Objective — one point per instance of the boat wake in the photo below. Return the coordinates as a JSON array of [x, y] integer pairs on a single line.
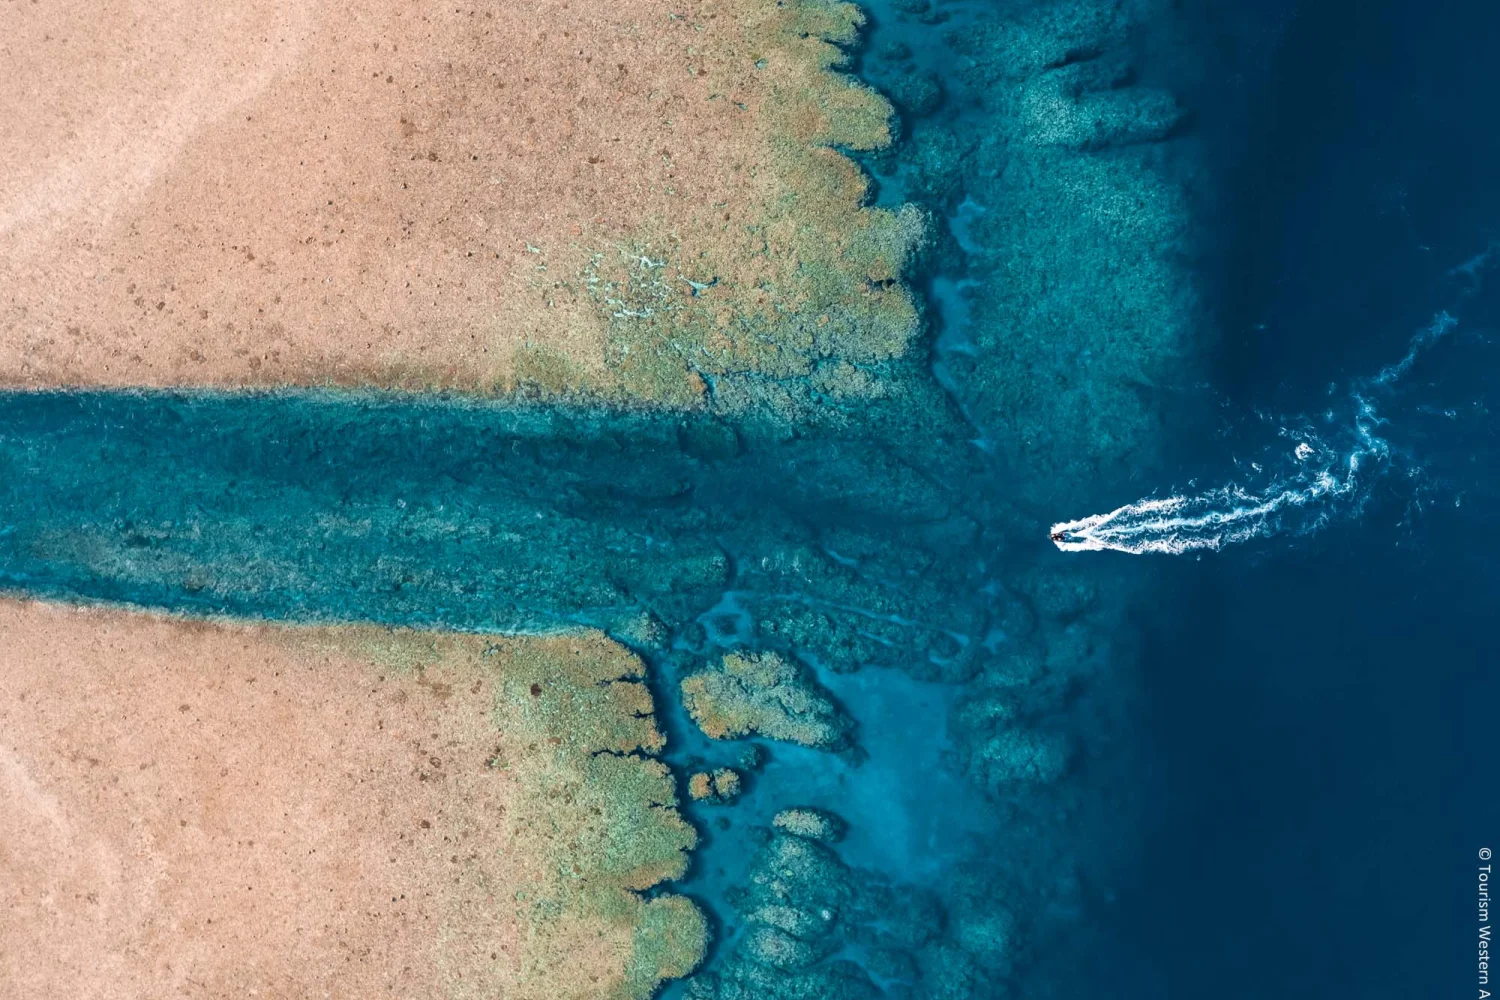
[[1310, 483], [1325, 482]]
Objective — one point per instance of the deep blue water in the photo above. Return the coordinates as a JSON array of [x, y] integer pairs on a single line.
[[1320, 711]]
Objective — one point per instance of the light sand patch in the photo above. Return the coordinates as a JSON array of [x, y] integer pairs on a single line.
[[213, 810], [100, 98], [622, 197]]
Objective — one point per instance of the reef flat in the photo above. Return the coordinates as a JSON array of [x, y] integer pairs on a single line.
[[229, 808], [640, 200]]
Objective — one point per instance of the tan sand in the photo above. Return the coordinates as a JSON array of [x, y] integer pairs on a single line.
[[206, 810], [422, 194]]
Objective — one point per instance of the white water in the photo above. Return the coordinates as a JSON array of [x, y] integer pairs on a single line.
[[1321, 482]]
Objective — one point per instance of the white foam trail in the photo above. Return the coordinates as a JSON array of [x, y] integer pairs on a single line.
[[1324, 481], [1178, 524], [1441, 324]]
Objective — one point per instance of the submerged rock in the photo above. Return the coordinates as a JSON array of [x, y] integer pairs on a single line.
[[818, 928], [1000, 744], [859, 601], [752, 757], [768, 695], [1060, 109], [720, 787], [917, 94], [810, 823]]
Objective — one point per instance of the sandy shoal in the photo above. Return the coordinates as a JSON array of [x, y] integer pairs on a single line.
[[385, 192], [214, 810]]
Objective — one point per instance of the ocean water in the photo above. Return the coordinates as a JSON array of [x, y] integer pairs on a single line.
[[1318, 707], [1273, 706]]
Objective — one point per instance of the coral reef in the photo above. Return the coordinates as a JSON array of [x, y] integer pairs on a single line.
[[764, 694], [999, 748], [752, 757], [814, 927], [1082, 311], [794, 898], [809, 823], [719, 787], [855, 601], [458, 816], [648, 201], [1064, 174], [578, 712]]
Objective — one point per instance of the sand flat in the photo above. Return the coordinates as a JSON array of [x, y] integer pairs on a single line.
[[390, 193], [204, 809], [198, 811], [293, 191]]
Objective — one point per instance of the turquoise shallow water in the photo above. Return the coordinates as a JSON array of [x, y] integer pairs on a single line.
[[1240, 772]]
